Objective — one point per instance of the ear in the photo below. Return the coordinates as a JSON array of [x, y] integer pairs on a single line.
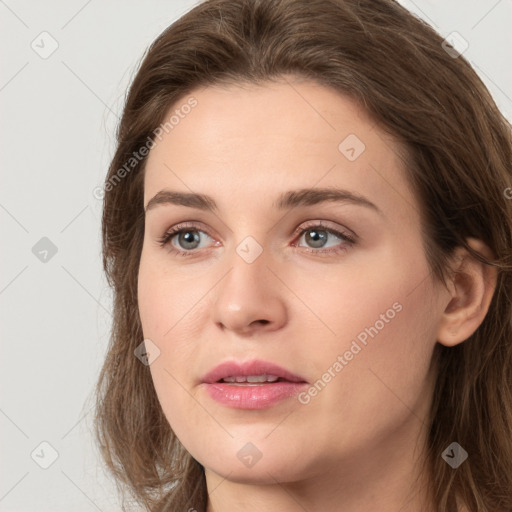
[[471, 287]]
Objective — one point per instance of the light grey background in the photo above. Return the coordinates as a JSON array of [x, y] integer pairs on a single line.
[[58, 117]]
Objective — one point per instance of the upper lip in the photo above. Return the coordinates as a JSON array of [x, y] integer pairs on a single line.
[[248, 368]]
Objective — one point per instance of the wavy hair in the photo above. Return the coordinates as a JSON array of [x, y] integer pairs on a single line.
[[458, 157]]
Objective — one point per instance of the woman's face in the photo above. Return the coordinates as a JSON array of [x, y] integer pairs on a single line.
[[334, 289]]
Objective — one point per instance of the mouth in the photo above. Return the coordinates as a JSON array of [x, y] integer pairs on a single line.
[[252, 385], [250, 372], [252, 380]]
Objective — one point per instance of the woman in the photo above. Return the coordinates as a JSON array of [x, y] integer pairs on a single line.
[[308, 230]]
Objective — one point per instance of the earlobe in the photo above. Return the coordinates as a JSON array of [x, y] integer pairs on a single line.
[[471, 288]]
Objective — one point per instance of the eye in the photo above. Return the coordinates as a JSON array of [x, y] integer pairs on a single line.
[[184, 239], [183, 236], [319, 236]]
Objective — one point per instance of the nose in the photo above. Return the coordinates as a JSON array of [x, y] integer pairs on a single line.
[[250, 298]]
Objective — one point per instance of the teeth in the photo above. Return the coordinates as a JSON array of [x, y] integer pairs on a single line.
[[257, 378], [251, 379]]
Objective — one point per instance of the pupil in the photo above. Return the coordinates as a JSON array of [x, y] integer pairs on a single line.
[[316, 238], [189, 237]]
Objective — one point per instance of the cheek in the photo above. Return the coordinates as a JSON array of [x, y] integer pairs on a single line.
[[382, 378], [170, 309], [166, 299], [381, 296], [375, 362]]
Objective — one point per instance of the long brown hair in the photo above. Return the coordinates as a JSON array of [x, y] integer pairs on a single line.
[[458, 158]]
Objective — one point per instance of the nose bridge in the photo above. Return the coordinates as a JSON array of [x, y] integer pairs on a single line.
[[249, 296]]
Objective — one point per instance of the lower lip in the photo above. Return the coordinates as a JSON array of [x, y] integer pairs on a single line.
[[259, 396]]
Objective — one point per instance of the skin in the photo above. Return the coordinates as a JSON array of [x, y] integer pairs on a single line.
[[358, 443]]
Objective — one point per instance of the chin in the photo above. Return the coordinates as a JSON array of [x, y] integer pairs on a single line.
[[263, 467], [260, 474]]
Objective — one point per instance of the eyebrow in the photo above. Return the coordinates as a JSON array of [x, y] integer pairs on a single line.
[[290, 199]]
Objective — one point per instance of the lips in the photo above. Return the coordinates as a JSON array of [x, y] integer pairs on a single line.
[[250, 372], [251, 385]]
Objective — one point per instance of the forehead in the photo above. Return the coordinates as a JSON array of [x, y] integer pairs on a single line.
[[273, 137]]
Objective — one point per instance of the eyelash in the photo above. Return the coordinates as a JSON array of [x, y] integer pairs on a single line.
[[184, 227]]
